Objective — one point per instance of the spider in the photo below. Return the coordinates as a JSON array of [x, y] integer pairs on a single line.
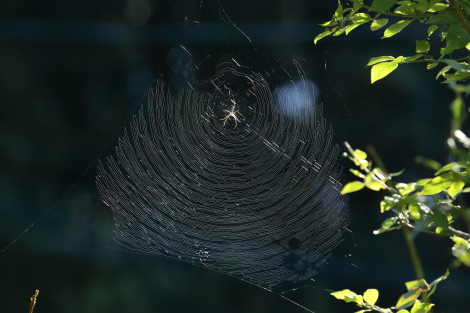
[[232, 113]]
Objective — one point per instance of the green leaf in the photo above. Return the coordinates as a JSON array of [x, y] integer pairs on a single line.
[[414, 57], [455, 188], [408, 8], [339, 12], [408, 299], [361, 155], [352, 187], [403, 311], [382, 5], [443, 70], [396, 28], [375, 185], [438, 184], [378, 24], [432, 29], [343, 293], [381, 70], [417, 284], [448, 17], [423, 181], [437, 7], [389, 222], [360, 18], [387, 204], [371, 295], [414, 211], [429, 163], [454, 166], [440, 219], [422, 46], [434, 283], [322, 35], [350, 27], [457, 37], [357, 173], [348, 296], [376, 60], [421, 307], [432, 65], [456, 65]]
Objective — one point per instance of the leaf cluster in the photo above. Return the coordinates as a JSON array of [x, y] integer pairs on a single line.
[[447, 19], [416, 297]]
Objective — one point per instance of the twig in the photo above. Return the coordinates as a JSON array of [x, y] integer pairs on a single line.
[[33, 301]]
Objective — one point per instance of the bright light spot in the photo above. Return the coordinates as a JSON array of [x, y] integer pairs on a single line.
[[297, 98]]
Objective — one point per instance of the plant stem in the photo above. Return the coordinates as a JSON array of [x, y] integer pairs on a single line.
[[454, 5], [33, 301], [415, 260]]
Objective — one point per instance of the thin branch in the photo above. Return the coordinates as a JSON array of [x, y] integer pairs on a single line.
[[458, 232], [454, 5], [33, 300]]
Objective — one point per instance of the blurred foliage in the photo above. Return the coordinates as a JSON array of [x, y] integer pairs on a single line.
[[434, 205]]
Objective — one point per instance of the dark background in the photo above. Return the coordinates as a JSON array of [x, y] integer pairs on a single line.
[[71, 75]]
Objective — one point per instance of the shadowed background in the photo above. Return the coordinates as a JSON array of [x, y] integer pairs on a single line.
[[71, 74]]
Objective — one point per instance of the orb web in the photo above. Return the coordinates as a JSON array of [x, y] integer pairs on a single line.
[[230, 173]]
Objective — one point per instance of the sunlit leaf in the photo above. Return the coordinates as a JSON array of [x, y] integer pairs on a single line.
[[381, 70], [455, 188], [322, 35], [432, 29], [396, 28], [378, 24], [443, 70], [352, 187], [350, 27], [376, 60], [451, 166], [423, 181], [382, 5], [389, 222], [374, 185], [414, 57], [387, 204], [438, 7], [339, 12], [361, 155], [438, 184], [348, 296], [417, 284], [360, 18], [421, 307], [357, 173], [408, 8], [422, 46], [371, 295], [408, 299]]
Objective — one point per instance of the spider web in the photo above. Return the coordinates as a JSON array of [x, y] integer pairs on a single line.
[[231, 164], [229, 167]]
